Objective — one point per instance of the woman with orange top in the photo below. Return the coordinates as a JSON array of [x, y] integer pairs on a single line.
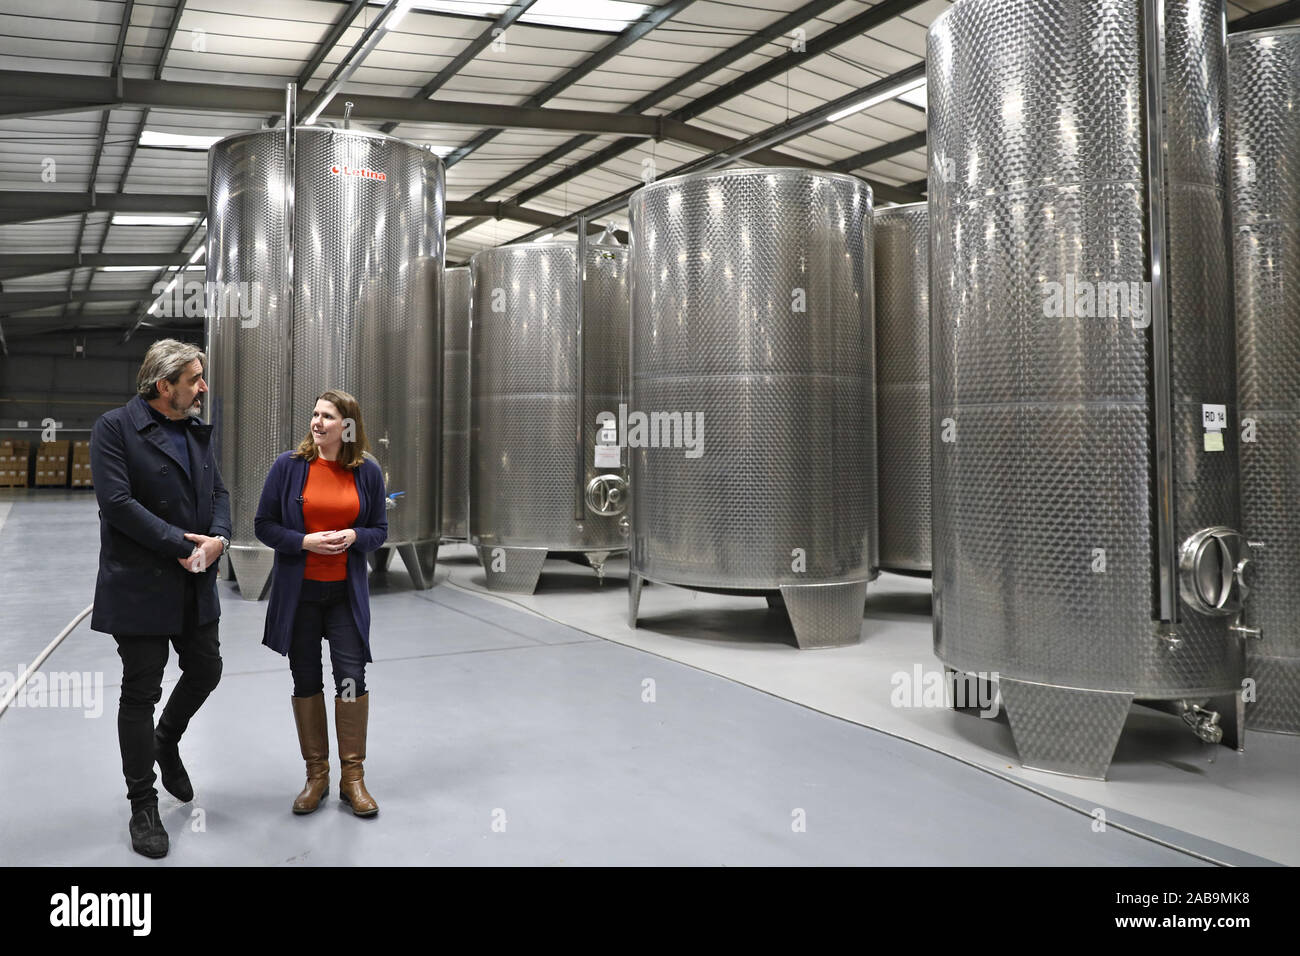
[[322, 510]]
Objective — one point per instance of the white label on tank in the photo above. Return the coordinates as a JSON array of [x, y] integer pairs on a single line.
[[1214, 417], [608, 456]]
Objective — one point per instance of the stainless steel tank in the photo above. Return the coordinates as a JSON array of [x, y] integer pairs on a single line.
[[1264, 122], [548, 352], [1086, 545], [455, 405], [752, 326], [902, 248], [342, 268]]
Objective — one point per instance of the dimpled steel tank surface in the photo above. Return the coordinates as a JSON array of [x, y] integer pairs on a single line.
[[531, 316], [1086, 525], [455, 408], [1264, 72], [344, 262], [752, 319], [902, 243]]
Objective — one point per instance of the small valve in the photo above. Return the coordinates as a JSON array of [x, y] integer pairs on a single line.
[[1204, 723]]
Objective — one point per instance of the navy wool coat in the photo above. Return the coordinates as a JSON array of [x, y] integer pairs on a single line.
[[147, 504], [279, 525]]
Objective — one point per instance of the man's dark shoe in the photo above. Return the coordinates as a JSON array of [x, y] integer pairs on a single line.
[[148, 836], [174, 777]]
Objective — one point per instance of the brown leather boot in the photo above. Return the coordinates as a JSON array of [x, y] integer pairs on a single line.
[[313, 738], [350, 719]]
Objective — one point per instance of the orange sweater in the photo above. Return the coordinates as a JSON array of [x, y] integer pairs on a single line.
[[330, 503]]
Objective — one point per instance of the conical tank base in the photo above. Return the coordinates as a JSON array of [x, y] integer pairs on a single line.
[[1066, 730], [825, 615], [252, 570], [421, 560], [516, 570]]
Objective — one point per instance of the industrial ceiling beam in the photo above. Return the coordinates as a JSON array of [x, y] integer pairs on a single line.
[[177, 12], [630, 35], [63, 203], [370, 38], [323, 48], [822, 43], [147, 299], [756, 148], [752, 145], [115, 71], [217, 97], [1268, 17], [18, 206], [721, 61], [767, 157], [471, 50], [28, 328], [15, 265], [16, 107], [885, 151], [496, 210], [1260, 19], [23, 301]]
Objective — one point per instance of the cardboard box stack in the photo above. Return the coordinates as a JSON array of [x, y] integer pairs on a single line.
[[14, 456], [52, 464], [81, 464]]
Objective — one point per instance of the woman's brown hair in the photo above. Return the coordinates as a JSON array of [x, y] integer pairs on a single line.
[[352, 453]]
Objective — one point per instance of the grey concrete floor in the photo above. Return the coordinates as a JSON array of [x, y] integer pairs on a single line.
[[497, 737]]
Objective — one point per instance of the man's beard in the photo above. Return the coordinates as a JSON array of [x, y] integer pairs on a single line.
[[191, 410]]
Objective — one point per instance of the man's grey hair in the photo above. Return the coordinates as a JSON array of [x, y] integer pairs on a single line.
[[166, 359]]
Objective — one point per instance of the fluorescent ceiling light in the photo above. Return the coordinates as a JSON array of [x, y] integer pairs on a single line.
[[128, 219], [611, 16], [608, 16], [154, 138], [876, 99], [141, 268], [396, 18], [916, 97]]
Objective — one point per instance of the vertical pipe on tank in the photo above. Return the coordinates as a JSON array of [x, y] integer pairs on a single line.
[[286, 289], [580, 451], [1153, 16]]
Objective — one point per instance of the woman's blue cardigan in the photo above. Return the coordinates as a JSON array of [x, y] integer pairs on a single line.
[[279, 525]]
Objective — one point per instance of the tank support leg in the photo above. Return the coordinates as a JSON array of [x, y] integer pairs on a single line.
[[252, 570], [512, 569], [775, 601], [1064, 729], [421, 560], [1277, 693], [825, 615], [379, 560], [634, 581], [964, 691]]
